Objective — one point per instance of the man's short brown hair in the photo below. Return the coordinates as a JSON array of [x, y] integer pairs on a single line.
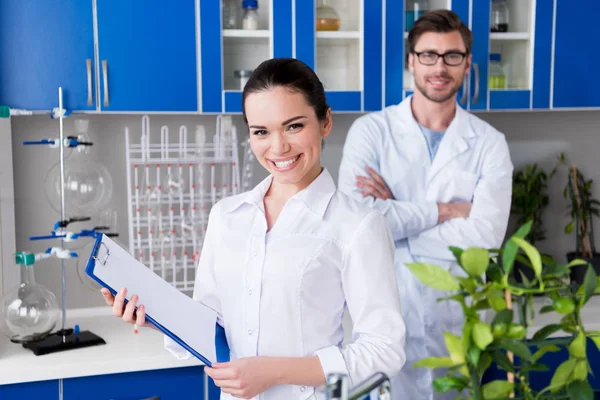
[[440, 21]]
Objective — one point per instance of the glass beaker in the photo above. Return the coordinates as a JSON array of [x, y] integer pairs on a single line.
[[497, 78], [500, 16], [327, 18], [231, 11], [30, 311]]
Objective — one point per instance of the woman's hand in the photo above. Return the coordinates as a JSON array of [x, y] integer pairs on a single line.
[[245, 378], [128, 313]]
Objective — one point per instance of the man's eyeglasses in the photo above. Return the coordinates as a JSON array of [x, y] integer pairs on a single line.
[[452, 58]]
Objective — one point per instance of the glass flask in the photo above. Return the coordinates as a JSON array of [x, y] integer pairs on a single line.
[[88, 184], [500, 16], [327, 18], [497, 78], [231, 10], [250, 19], [30, 311]]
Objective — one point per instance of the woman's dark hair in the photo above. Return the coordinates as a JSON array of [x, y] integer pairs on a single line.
[[291, 74]]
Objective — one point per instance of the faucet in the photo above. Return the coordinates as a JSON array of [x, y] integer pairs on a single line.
[[337, 387]]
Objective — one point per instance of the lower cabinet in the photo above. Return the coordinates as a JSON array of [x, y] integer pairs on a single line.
[[160, 384], [30, 390]]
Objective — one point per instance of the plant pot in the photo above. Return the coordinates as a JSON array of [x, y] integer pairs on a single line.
[[578, 271]]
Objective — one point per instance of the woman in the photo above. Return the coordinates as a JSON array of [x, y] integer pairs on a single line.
[[280, 263]]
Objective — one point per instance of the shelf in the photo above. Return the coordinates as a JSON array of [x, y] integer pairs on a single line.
[[244, 33], [338, 35], [509, 36]]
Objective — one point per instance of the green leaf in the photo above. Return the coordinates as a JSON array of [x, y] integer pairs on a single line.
[[577, 346], [457, 251], [563, 375], [545, 349], [503, 317], [502, 361], [569, 228], [546, 331], [455, 347], [537, 367], [590, 282], [533, 254], [444, 384], [434, 276], [482, 335], [434, 362], [484, 363], [496, 300], [518, 348], [497, 389], [580, 390], [596, 340], [494, 273], [580, 372], [577, 261], [508, 255], [546, 309], [473, 354], [468, 283], [475, 261], [523, 230]]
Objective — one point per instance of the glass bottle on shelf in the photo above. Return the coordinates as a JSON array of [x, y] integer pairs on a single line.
[[30, 311], [250, 19], [497, 78], [414, 10], [231, 10], [327, 18], [500, 16]]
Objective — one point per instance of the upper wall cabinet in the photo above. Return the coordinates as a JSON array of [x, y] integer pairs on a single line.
[[342, 41], [236, 37], [576, 54], [147, 55], [44, 45], [511, 54]]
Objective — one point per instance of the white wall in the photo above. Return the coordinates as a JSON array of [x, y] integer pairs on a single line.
[[533, 137]]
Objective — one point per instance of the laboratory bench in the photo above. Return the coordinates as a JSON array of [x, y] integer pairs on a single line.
[[129, 366]]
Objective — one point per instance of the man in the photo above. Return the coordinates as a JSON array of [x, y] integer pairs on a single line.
[[441, 176]]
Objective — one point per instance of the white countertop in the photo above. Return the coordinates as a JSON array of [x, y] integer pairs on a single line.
[[124, 351]]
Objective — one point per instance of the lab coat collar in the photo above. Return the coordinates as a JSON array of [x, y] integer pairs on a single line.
[[315, 197], [455, 141]]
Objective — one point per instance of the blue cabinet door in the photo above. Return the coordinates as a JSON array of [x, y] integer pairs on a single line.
[[575, 54], [45, 44], [166, 384], [31, 390], [147, 55], [480, 26]]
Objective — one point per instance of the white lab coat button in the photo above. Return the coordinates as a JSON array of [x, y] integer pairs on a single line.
[[303, 388], [249, 331], [249, 292], [255, 253]]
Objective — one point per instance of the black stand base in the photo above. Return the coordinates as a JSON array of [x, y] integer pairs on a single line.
[[63, 340]]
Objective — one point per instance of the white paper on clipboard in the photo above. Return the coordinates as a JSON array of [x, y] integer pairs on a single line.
[[190, 321]]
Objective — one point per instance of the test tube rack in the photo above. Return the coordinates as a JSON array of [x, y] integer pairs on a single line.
[[172, 186]]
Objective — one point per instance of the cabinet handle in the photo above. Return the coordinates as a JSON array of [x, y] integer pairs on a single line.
[[105, 75], [88, 66], [463, 99], [476, 95]]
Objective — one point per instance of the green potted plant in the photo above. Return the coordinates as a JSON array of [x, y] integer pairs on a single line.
[[529, 201], [503, 343], [582, 208]]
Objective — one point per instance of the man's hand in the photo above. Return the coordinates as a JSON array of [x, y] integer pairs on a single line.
[[447, 211], [244, 378], [374, 185]]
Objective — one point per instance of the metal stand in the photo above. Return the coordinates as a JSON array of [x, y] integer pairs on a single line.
[[64, 339]]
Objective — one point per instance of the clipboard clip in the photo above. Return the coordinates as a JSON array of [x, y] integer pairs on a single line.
[[97, 259]]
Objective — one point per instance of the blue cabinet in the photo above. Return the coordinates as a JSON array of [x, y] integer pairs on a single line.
[[575, 54], [44, 45], [166, 384], [147, 55], [47, 390]]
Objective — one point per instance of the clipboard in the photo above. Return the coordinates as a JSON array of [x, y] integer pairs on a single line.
[[113, 267]]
